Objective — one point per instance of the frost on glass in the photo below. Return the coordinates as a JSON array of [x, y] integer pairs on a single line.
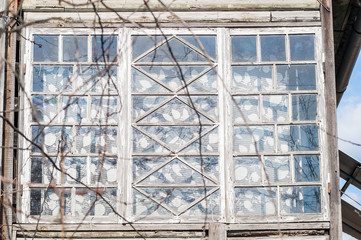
[[208, 144], [245, 109], [46, 109], [75, 48], [275, 108], [277, 168], [142, 104], [103, 170], [46, 202], [175, 111], [74, 109], [43, 170], [176, 172], [52, 78], [207, 164], [145, 144], [202, 43], [142, 83], [247, 170], [273, 48], [304, 107], [302, 47], [252, 78], [175, 137], [97, 78], [98, 202], [176, 199], [75, 170], [145, 206], [244, 48], [54, 139], [261, 136], [307, 168], [104, 109], [298, 138], [45, 48], [205, 83], [255, 201], [207, 104], [142, 165], [209, 206], [173, 51], [104, 48], [300, 199], [96, 140], [296, 77]]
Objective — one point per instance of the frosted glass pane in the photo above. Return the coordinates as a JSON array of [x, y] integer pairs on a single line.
[[46, 202], [252, 78], [74, 109], [45, 48], [96, 140], [273, 48], [298, 138], [247, 170], [75, 48], [243, 141], [302, 47], [52, 78], [304, 107], [296, 77], [75, 169], [98, 79], [104, 110], [245, 109], [144, 144], [244, 48], [103, 170], [307, 168], [53, 139], [45, 108], [303, 199], [43, 170], [275, 108], [255, 201], [277, 168], [209, 144]]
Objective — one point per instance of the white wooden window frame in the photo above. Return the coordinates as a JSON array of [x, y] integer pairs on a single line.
[[226, 176]]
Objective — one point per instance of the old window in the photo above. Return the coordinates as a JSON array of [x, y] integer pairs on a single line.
[[173, 126]]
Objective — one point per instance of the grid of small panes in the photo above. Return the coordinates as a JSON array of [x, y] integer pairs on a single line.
[[175, 126], [276, 137], [74, 126]]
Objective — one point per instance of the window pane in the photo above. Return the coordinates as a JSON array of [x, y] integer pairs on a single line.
[[298, 138], [46, 109], [104, 110], [45, 48], [252, 78], [103, 170], [142, 44], [303, 199], [52, 139], [307, 168], [302, 47], [244, 48], [74, 109], [75, 48], [244, 140], [75, 169], [52, 78], [277, 168], [255, 201], [104, 48], [208, 43], [273, 48], [275, 108], [296, 77], [97, 79], [43, 170], [247, 170], [96, 140], [245, 109], [304, 107], [46, 202]]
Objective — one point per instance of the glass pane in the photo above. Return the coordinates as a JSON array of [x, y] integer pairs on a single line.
[[144, 84], [304, 107], [144, 144], [307, 168], [255, 201], [142, 165], [76, 170], [46, 202], [247, 170], [104, 110], [303, 199], [141, 44], [206, 164], [298, 138], [174, 51], [209, 144], [96, 140], [207, 104], [244, 141], [273, 48], [208, 44], [43, 170], [244, 48], [275, 108], [45, 108], [277, 168], [74, 109], [52, 78], [209, 206], [245, 109], [75, 48], [302, 47], [52, 139], [252, 78], [104, 48], [296, 77], [103, 170], [145, 206], [97, 79], [45, 48], [142, 104]]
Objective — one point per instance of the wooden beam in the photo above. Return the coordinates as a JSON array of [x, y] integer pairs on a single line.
[[217, 231], [351, 219], [347, 167]]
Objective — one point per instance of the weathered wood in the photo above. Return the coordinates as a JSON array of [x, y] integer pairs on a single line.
[[331, 123], [351, 219], [217, 231], [174, 5], [347, 167]]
